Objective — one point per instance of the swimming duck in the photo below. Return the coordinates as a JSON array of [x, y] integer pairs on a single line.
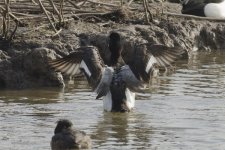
[[66, 137], [117, 81], [205, 8]]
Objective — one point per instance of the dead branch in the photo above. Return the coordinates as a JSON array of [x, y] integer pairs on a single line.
[[72, 3], [55, 9], [14, 32], [12, 16], [193, 17], [61, 10], [49, 19], [100, 3]]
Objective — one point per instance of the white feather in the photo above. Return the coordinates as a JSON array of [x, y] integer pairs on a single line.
[[215, 10], [107, 102], [130, 99], [151, 61], [84, 66]]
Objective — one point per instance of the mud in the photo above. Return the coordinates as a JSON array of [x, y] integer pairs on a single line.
[[23, 61]]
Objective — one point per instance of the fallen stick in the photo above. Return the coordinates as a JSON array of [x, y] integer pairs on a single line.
[[57, 33], [12, 16], [72, 3], [194, 17], [100, 3], [55, 9], [43, 8]]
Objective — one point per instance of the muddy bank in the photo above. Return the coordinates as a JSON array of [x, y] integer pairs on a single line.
[[23, 62]]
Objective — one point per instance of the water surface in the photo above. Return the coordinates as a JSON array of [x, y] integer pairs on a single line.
[[181, 111]]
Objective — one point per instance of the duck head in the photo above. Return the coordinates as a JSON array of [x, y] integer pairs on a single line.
[[115, 47], [62, 124]]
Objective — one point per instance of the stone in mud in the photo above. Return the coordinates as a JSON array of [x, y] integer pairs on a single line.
[[29, 70]]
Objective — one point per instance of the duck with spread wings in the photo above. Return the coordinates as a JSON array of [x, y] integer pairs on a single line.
[[117, 81]]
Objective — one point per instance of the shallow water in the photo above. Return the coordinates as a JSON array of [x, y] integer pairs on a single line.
[[181, 111]]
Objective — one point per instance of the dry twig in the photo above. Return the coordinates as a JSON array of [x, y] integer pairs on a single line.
[[49, 19], [147, 12], [194, 17]]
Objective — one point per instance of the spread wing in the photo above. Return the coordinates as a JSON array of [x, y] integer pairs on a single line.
[[145, 58], [165, 55], [69, 64], [86, 59]]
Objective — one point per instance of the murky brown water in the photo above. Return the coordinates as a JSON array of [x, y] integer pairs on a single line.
[[182, 111]]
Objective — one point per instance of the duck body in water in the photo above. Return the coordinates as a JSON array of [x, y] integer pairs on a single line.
[[67, 138], [116, 81], [204, 8]]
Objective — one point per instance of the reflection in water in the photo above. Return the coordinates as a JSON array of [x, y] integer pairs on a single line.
[[122, 129], [204, 76], [32, 96], [184, 110]]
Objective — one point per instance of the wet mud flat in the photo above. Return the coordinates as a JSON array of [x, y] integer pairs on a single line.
[[23, 61]]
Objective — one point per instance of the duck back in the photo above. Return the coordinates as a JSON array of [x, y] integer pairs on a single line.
[[117, 89]]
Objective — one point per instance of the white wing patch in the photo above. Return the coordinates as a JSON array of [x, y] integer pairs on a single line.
[[151, 61], [130, 98], [85, 67], [107, 102]]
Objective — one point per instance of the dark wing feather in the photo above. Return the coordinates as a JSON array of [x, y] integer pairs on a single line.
[[130, 79], [146, 57], [165, 55], [142, 62], [68, 64], [86, 59]]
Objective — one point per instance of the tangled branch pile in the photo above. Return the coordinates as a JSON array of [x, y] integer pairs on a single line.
[[42, 12]]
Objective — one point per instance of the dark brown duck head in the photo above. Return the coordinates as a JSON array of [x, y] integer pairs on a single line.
[[63, 124], [115, 47]]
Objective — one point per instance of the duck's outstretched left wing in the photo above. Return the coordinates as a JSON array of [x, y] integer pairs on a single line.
[[165, 55], [146, 58], [86, 59]]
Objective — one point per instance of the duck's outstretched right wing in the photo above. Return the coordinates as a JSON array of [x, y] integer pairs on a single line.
[[85, 59], [69, 64]]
